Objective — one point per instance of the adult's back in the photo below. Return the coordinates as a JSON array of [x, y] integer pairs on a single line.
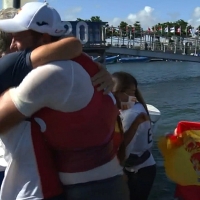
[[85, 123], [75, 123]]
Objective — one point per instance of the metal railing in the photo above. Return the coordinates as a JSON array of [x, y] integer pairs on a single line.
[[190, 46]]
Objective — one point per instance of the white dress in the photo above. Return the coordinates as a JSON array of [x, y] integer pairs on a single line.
[[142, 140]]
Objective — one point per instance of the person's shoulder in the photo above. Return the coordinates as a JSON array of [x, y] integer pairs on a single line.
[[10, 74], [58, 70], [63, 62], [138, 107], [21, 59], [14, 57], [129, 114], [9, 61], [64, 65], [11, 57], [16, 54], [133, 112]]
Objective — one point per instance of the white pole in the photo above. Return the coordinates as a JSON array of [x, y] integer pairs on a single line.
[[195, 50], [9, 3]]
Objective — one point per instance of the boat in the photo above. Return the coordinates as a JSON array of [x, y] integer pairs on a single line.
[[115, 59], [133, 59], [108, 59], [112, 59], [154, 113], [156, 60]]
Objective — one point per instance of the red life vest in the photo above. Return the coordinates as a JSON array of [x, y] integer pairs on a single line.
[[189, 192], [77, 141]]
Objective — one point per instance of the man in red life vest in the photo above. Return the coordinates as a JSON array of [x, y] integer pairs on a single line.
[[68, 120]]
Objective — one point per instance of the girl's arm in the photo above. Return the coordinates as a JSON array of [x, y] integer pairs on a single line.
[[63, 49], [130, 133], [128, 136]]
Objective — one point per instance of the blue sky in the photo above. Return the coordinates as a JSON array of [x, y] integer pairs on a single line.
[[113, 11]]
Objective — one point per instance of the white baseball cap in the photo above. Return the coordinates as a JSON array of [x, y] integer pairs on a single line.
[[36, 16]]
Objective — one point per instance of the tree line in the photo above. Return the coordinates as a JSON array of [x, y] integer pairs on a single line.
[[178, 28]]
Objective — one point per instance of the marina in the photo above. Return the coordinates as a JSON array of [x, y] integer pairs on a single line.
[[169, 88]]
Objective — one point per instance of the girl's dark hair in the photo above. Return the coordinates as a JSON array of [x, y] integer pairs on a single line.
[[123, 81]]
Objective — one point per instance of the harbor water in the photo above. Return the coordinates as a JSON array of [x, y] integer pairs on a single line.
[[174, 88]]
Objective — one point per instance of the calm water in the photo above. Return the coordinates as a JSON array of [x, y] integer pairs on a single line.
[[172, 87]]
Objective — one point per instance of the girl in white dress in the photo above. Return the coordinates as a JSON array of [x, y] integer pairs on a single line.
[[139, 164]]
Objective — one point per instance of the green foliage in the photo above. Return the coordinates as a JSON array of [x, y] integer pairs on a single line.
[[137, 26], [180, 24], [92, 19], [123, 25], [95, 19], [125, 29]]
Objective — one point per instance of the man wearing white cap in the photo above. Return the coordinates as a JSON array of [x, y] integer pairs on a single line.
[[58, 94], [14, 68]]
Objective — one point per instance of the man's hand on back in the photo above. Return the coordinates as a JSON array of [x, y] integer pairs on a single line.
[[104, 79]]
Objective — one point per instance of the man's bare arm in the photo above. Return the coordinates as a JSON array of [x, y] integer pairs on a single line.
[[104, 79], [63, 49], [9, 114]]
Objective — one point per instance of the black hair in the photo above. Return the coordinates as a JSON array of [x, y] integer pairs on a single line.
[[123, 81]]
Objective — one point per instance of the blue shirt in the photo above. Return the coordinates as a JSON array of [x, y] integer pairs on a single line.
[[13, 68]]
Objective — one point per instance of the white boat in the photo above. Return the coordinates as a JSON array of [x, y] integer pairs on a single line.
[[154, 113]]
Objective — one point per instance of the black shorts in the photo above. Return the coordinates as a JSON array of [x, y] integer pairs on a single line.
[[140, 183]]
